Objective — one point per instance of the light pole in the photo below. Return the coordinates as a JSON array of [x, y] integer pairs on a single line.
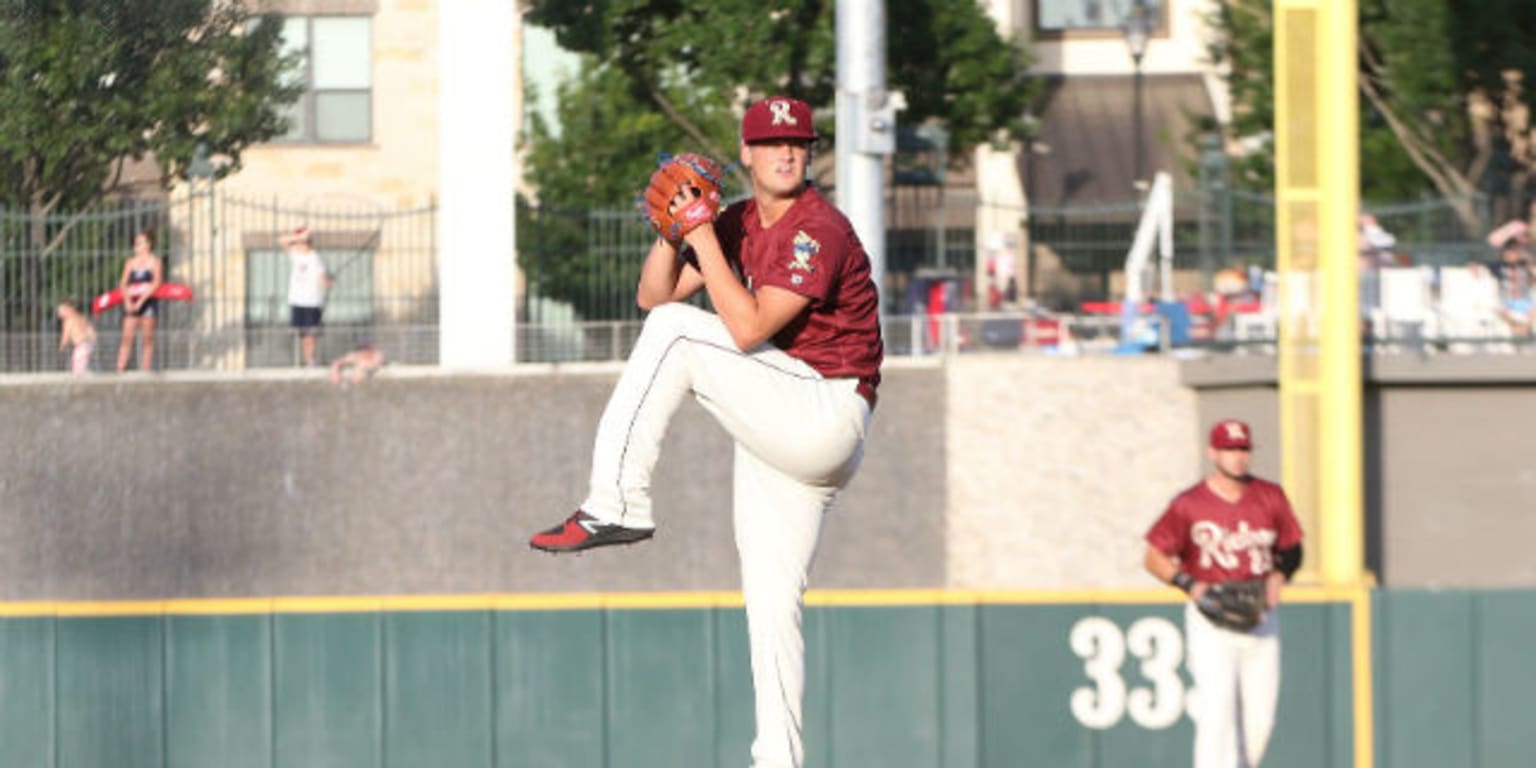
[[1138, 30], [200, 170]]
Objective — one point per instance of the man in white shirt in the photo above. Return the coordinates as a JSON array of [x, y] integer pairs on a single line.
[[307, 283]]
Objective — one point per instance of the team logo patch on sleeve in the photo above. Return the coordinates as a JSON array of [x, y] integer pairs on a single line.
[[806, 249]]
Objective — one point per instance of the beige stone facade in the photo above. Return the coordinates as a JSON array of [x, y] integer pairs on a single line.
[[379, 195], [397, 169]]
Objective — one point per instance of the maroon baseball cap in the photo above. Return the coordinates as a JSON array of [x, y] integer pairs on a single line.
[[1230, 434], [778, 117]]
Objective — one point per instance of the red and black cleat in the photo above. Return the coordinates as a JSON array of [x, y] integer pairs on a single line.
[[583, 531]]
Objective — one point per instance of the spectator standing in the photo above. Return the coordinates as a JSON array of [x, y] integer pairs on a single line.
[[76, 329], [143, 273], [1375, 246], [1003, 286], [307, 284]]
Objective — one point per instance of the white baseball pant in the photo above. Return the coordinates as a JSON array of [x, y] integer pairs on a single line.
[[1237, 680], [799, 439]]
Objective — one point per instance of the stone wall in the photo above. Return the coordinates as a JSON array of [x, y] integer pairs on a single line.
[[985, 472], [1057, 466]]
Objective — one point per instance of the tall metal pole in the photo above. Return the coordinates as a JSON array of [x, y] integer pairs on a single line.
[[866, 126], [1138, 33], [1136, 128]]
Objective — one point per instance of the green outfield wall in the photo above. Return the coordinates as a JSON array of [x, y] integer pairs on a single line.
[[896, 679]]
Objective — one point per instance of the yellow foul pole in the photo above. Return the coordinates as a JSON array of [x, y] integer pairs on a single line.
[[1317, 172], [1343, 541], [1318, 182]]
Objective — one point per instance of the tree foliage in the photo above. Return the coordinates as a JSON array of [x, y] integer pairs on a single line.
[[1242, 44], [672, 74], [87, 84], [1443, 102]]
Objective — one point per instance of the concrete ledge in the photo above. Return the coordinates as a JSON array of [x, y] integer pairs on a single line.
[[1217, 371], [1222, 371], [1450, 369]]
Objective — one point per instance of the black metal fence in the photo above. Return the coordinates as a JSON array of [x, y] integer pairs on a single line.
[[225, 248], [578, 268]]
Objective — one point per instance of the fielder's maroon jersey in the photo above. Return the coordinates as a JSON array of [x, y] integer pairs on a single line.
[[1216, 540], [813, 251]]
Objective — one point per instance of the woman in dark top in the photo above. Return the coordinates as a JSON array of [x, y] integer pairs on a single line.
[[142, 274]]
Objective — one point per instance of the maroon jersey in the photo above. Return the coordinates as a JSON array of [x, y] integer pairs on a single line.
[[1216, 540], [813, 251]]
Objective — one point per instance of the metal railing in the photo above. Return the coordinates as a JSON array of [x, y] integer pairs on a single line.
[[383, 263], [601, 341], [579, 270]]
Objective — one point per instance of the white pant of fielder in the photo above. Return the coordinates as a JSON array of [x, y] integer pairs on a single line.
[[1237, 679], [799, 438]]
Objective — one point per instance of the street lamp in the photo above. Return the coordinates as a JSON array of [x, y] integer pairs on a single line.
[[200, 170], [1138, 30]]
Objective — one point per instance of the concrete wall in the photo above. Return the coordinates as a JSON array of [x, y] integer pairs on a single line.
[[980, 473], [1449, 477], [188, 485], [1057, 467]]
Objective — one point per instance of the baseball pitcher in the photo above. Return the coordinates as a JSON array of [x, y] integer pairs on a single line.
[[789, 367], [1230, 541]]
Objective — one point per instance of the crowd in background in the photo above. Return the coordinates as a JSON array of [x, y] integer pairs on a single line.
[[1507, 275], [141, 288]]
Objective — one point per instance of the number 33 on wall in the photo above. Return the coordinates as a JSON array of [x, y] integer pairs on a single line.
[[1158, 643]]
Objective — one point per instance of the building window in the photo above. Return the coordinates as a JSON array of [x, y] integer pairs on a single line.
[[1058, 16], [336, 69]]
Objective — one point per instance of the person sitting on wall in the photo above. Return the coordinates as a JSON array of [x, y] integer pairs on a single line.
[[362, 362]]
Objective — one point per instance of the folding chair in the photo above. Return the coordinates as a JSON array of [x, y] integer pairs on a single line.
[[1469, 311], [1404, 309]]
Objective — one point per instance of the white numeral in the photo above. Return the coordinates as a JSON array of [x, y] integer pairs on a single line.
[[1160, 647], [1099, 643]]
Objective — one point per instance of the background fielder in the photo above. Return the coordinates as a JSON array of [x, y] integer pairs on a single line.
[[1229, 528], [788, 367]]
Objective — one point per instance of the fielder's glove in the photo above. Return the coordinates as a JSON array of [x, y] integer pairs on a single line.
[[1235, 605], [672, 218]]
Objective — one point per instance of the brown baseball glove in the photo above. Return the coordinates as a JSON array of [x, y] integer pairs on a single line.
[[673, 217], [1235, 605]]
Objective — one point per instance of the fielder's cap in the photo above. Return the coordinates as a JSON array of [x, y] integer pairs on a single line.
[[778, 117], [1230, 434]]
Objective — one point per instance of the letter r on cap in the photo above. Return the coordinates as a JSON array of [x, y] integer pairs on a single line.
[[780, 110]]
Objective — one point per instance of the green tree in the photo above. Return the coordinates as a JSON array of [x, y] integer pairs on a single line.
[[1442, 105], [1242, 45], [86, 85], [687, 66], [673, 75]]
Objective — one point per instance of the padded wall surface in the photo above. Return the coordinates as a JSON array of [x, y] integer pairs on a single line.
[[904, 686]]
